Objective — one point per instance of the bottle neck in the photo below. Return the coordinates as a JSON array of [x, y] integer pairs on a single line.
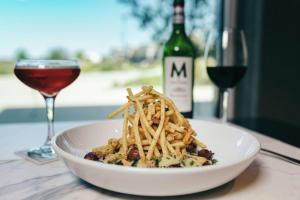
[[178, 19], [178, 29]]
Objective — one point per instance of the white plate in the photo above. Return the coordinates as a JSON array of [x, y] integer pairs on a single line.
[[234, 149]]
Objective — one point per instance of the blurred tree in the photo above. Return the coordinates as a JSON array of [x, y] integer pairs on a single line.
[[80, 55], [21, 54], [156, 16], [198, 44], [58, 54]]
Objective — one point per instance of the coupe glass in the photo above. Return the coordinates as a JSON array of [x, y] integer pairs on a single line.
[[226, 58], [48, 77]]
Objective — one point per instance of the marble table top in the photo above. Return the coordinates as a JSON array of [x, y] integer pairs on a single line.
[[266, 178]]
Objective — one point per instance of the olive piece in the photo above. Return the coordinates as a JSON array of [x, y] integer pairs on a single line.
[[91, 156], [133, 153], [175, 165], [191, 148], [205, 153]]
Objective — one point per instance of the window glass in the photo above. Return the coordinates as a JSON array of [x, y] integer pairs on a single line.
[[117, 42]]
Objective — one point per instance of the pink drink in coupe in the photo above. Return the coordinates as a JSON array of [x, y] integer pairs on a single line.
[[47, 81], [48, 77]]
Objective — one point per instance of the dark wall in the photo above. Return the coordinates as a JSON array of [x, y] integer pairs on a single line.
[[280, 67], [246, 94], [271, 89]]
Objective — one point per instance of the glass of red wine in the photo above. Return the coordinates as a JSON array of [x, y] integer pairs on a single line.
[[48, 77], [226, 58]]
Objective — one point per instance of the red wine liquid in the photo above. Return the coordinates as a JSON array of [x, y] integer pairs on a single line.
[[227, 76], [48, 81]]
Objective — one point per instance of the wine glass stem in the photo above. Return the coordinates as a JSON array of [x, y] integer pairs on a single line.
[[50, 118], [224, 104]]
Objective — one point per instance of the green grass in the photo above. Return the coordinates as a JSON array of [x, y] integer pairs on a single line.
[[114, 65], [6, 66], [105, 65], [201, 77], [147, 80]]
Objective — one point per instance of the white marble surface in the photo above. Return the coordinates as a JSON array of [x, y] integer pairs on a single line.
[[266, 178], [20, 136]]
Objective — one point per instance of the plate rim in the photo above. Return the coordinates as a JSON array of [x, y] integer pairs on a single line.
[[129, 169]]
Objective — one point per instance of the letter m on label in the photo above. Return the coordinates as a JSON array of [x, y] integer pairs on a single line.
[[182, 70]]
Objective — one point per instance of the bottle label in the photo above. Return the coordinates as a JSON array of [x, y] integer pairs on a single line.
[[178, 81], [178, 16]]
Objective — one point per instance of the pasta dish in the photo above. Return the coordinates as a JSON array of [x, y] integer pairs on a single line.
[[154, 134]]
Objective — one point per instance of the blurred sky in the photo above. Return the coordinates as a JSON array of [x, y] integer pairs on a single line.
[[94, 26]]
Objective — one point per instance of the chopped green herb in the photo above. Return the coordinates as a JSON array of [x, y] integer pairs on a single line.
[[191, 162], [118, 162], [134, 164], [214, 161], [157, 160]]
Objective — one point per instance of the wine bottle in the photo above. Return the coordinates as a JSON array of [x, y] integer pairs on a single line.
[[178, 64]]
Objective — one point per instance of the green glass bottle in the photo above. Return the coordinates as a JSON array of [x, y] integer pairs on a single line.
[[178, 64]]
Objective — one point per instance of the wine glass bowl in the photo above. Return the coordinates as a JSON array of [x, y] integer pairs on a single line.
[[226, 58], [48, 77]]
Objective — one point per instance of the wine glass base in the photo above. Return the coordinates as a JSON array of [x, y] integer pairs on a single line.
[[44, 151]]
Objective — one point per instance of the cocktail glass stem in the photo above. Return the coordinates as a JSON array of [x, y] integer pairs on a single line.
[[50, 119], [46, 151], [48, 77], [224, 94]]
